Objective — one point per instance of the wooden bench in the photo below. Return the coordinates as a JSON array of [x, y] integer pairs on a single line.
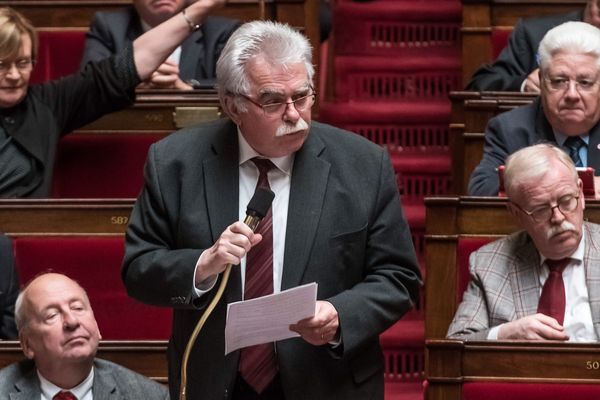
[[515, 370], [470, 114]]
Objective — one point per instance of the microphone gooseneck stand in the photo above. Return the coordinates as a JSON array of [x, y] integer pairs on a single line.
[[257, 208]]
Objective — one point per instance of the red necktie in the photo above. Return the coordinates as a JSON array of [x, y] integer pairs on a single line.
[[552, 301], [258, 364], [65, 395]]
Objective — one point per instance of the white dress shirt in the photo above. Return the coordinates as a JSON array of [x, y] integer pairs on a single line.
[[578, 321], [83, 391], [279, 180]]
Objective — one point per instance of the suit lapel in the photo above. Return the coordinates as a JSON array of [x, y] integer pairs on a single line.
[[542, 126], [28, 387], [105, 386], [593, 158], [592, 273], [221, 185], [524, 280], [307, 192]]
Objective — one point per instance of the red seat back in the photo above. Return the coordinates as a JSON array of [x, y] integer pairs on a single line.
[[528, 391], [499, 40], [465, 247], [94, 262], [59, 53], [101, 166]]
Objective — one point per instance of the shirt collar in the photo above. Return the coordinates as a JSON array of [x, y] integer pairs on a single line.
[[284, 164], [577, 254], [562, 138], [49, 390]]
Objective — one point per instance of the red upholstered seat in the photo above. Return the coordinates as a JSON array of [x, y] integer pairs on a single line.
[[499, 37], [59, 53], [94, 262], [399, 27], [528, 391], [381, 79], [465, 247], [101, 166]]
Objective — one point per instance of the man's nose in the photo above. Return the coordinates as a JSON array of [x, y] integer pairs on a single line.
[[291, 114], [70, 320]]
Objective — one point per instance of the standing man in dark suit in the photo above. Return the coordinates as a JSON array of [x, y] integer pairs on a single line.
[[59, 335], [542, 283], [336, 220], [516, 68], [567, 112], [192, 65]]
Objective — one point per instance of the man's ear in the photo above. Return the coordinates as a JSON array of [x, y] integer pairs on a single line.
[[27, 350], [512, 209], [232, 109]]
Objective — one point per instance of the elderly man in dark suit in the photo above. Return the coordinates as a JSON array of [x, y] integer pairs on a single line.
[[336, 220], [192, 65], [567, 112], [59, 335], [542, 283], [516, 68]]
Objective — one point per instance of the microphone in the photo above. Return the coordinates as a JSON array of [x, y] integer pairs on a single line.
[[257, 208]]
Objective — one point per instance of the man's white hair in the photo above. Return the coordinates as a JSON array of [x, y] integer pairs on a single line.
[[276, 43], [573, 37]]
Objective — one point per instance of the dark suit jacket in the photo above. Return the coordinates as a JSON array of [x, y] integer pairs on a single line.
[[518, 59], [9, 289], [345, 231], [511, 131], [111, 31], [20, 381], [505, 284]]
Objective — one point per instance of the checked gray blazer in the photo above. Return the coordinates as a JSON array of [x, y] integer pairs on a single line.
[[505, 284]]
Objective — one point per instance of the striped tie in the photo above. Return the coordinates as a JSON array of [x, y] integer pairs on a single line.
[[258, 364]]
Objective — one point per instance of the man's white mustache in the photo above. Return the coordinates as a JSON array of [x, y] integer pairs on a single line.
[[564, 227], [287, 129]]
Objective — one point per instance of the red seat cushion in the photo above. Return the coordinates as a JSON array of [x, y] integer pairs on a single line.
[[101, 166], [94, 262], [499, 40]]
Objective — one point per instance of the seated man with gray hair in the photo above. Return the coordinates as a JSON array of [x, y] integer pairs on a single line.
[[540, 283], [59, 335], [566, 113]]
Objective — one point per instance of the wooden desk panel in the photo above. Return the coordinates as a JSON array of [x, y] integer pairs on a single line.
[[471, 112], [148, 358], [450, 363], [159, 111], [65, 217], [447, 220], [481, 16]]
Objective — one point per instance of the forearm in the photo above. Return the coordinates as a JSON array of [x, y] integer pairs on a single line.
[[154, 46]]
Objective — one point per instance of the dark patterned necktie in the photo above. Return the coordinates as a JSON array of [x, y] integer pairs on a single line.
[[573, 144], [64, 395], [552, 301], [258, 364]]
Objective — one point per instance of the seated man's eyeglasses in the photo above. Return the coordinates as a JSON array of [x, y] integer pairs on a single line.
[[565, 204], [22, 64], [561, 83], [276, 107]]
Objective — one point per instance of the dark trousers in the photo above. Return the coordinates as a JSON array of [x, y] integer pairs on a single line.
[[242, 391]]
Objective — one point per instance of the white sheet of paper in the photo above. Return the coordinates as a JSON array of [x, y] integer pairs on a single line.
[[267, 319]]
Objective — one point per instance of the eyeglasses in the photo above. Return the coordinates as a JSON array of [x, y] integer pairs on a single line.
[[561, 84], [278, 108], [22, 64], [565, 204]]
